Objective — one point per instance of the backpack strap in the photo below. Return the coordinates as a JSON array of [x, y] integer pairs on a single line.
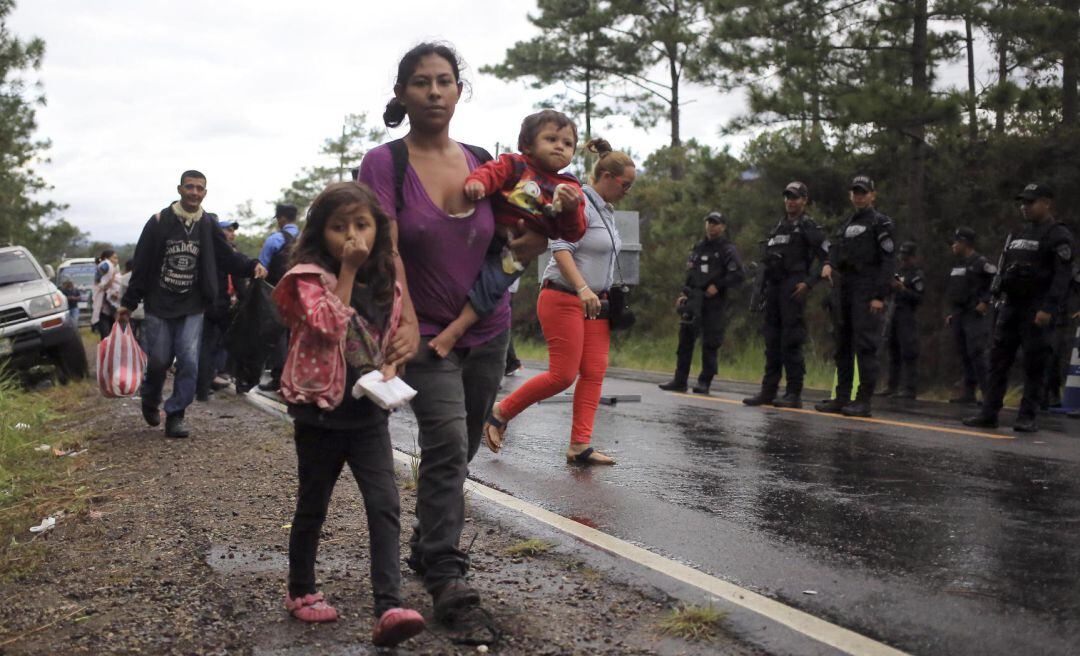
[[399, 152], [481, 154]]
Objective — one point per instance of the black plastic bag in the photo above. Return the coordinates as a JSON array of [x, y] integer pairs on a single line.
[[253, 334]]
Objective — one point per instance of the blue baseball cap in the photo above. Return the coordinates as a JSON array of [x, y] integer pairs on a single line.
[[225, 224]]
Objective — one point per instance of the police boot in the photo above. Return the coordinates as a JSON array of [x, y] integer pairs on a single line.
[[888, 391], [673, 386], [904, 395], [982, 420], [834, 406], [761, 398], [789, 400], [701, 388], [857, 408], [967, 398], [1026, 425]]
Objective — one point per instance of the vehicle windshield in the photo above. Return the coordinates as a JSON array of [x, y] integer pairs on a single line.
[[16, 267], [82, 275]]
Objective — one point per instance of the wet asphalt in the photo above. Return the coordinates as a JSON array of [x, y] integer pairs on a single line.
[[931, 542]]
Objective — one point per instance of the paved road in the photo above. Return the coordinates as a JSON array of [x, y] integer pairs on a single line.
[[935, 542]]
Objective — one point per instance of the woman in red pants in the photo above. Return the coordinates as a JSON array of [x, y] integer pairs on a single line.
[[577, 278]]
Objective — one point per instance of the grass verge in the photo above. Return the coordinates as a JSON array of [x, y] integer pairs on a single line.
[[745, 363], [36, 483], [700, 623], [529, 548]]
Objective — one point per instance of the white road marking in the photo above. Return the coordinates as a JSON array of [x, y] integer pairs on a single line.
[[812, 627]]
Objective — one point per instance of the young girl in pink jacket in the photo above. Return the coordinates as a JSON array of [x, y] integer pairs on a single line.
[[341, 304]]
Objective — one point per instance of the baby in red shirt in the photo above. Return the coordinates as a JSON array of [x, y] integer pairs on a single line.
[[528, 193]]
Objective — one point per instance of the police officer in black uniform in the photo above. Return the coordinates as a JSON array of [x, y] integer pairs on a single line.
[[968, 296], [862, 252], [1061, 343], [1033, 283], [794, 254], [714, 267], [908, 286]]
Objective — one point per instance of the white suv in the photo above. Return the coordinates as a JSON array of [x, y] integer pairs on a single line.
[[35, 325]]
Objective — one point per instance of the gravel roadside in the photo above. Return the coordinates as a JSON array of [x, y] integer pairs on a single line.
[[186, 554]]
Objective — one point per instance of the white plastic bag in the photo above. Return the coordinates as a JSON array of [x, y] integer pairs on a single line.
[[388, 395]]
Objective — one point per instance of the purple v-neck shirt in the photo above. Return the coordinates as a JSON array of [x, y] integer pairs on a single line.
[[442, 254]]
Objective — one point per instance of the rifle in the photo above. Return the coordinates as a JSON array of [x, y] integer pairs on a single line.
[[890, 312], [757, 294], [834, 303], [995, 284]]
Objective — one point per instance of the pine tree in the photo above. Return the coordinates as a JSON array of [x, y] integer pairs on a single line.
[[25, 218]]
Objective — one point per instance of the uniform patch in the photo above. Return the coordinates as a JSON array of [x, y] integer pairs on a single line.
[[733, 266], [887, 244], [918, 285], [958, 271], [854, 231], [779, 240], [989, 268], [1024, 245], [1064, 251]]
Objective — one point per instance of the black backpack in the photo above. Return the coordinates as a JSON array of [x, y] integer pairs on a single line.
[[279, 262], [400, 154]]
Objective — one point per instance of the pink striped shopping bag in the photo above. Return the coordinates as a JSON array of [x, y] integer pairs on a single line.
[[120, 362]]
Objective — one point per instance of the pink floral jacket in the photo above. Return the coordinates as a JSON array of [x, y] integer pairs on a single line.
[[324, 333]]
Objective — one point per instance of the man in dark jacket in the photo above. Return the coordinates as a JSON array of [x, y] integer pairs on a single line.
[[713, 268], [862, 252], [274, 256], [793, 254], [903, 331], [968, 295], [1034, 280], [176, 265], [215, 323]]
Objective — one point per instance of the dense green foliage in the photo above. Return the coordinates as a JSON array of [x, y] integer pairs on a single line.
[[836, 88], [26, 218]]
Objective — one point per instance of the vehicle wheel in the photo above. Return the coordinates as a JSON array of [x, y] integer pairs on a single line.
[[71, 361]]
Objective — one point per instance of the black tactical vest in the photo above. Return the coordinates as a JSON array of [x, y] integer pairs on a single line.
[[787, 251], [858, 242], [1029, 262], [966, 280]]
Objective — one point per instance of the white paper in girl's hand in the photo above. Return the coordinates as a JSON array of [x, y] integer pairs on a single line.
[[388, 395]]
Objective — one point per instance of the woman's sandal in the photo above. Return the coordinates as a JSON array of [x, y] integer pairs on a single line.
[[310, 608], [589, 456], [494, 429]]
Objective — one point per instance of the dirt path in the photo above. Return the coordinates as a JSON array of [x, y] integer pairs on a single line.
[[185, 552]]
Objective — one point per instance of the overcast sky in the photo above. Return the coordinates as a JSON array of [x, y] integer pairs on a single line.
[[245, 91]]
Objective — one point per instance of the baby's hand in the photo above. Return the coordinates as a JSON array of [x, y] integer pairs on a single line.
[[355, 253], [474, 190], [567, 198]]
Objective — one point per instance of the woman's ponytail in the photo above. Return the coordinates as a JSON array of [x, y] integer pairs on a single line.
[[394, 114], [608, 160]]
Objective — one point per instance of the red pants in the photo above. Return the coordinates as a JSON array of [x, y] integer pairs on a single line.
[[577, 350]]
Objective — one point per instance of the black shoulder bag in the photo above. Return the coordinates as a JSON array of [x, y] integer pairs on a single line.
[[620, 315]]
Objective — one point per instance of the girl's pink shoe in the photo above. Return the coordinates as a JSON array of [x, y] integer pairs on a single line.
[[396, 626], [310, 608]]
